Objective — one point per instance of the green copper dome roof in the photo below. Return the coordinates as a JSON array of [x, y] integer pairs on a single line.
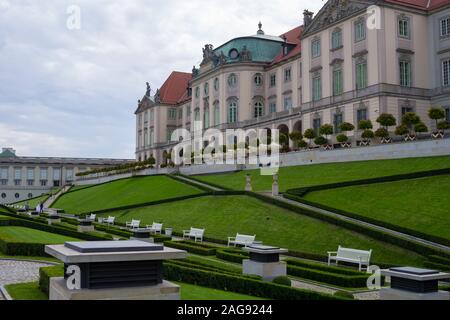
[[262, 48]]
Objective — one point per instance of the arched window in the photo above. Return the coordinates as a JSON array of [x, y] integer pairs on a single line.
[[206, 118], [232, 112], [259, 109], [232, 80], [258, 79], [216, 113]]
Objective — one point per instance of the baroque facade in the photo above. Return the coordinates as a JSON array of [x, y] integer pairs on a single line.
[[348, 63], [24, 178]]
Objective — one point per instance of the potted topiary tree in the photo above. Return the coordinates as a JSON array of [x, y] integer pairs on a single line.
[[296, 137], [343, 138], [420, 128], [284, 142], [443, 125], [327, 130], [436, 114], [402, 131], [310, 134], [302, 144], [367, 135], [409, 120], [386, 120], [321, 141]]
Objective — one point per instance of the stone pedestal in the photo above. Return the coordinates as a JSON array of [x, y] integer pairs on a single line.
[[163, 291], [248, 183], [85, 226], [113, 270], [142, 235], [265, 262], [275, 186], [414, 284]]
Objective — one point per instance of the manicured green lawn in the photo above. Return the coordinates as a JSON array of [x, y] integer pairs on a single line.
[[33, 202], [27, 235], [122, 193], [419, 204], [26, 291], [191, 292], [225, 216], [303, 176]]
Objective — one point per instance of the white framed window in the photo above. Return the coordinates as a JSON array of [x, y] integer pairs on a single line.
[[69, 174], [337, 81], [287, 75], [405, 73], [287, 102], [315, 48], [317, 87], [361, 75], [56, 174], [273, 107], [18, 173], [216, 114], [43, 174], [172, 114], [232, 112], [336, 39], [30, 173], [4, 173], [446, 72], [258, 79], [444, 26], [273, 80], [317, 123], [258, 109], [361, 115], [403, 27], [360, 30], [206, 118]]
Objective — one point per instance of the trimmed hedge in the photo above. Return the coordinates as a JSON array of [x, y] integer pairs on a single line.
[[441, 260], [322, 267], [239, 284], [436, 266], [192, 247], [301, 192], [46, 273], [232, 255]]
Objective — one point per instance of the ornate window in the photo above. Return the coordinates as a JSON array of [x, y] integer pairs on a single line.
[[258, 79], [273, 106], [232, 112], [361, 74], [336, 39], [216, 113], [360, 30], [216, 84], [405, 72], [337, 80], [232, 80], [288, 102], [403, 26], [317, 87], [445, 27], [206, 89], [315, 48], [259, 109]]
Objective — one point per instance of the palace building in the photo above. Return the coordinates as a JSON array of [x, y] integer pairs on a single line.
[[349, 62], [23, 178]]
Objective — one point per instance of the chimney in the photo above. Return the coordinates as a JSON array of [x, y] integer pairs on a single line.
[[307, 18]]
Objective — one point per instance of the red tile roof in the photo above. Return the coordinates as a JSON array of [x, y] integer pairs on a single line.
[[292, 37], [174, 89], [421, 4]]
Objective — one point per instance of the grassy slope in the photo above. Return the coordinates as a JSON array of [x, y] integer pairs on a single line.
[[122, 193], [31, 291], [33, 202], [420, 204], [302, 176], [225, 216], [26, 235]]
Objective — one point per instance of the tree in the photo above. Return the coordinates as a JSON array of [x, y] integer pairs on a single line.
[[365, 125], [296, 137], [284, 140], [345, 127], [436, 114], [368, 134], [401, 130], [326, 130], [302, 144], [410, 119], [152, 160], [310, 134], [387, 120]]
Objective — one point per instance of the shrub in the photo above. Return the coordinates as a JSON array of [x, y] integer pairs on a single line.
[[239, 284], [346, 126], [282, 281], [302, 144], [232, 255], [402, 130], [410, 119], [344, 295], [436, 114], [192, 247], [321, 141], [443, 125], [382, 133], [367, 134], [46, 273], [326, 130], [296, 137], [342, 138], [365, 125], [420, 127], [310, 134]]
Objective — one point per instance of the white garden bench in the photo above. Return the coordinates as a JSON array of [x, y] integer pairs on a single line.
[[242, 240], [134, 224], [91, 217], [109, 221], [359, 257], [196, 234], [155, 228]]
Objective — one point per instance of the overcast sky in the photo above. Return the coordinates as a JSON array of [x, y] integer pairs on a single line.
[[73, 92]]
